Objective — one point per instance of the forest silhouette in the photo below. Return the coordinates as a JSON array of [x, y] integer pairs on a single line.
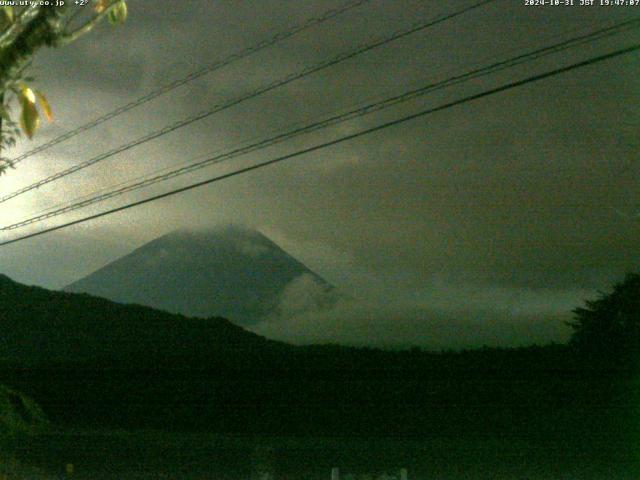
[[90, 362]]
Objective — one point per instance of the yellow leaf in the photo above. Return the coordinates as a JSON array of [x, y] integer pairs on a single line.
[[29, 119], [8, 14], [101, 5], [46, 108], [27, 95]]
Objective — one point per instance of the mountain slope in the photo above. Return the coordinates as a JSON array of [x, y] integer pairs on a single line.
[[232, 272], [43, 327]]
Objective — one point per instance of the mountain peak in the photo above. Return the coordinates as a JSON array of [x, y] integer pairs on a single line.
[[224, 230], [201, 245], [230, 271]]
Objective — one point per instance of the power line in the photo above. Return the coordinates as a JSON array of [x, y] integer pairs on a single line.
[[367, 109], [271, 86], [311, 22], [585, 35], [345, 138]]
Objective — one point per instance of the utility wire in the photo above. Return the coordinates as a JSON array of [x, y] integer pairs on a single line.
[[311, 22], [271, 86], [339, 140], [585, 36], [370, 108]]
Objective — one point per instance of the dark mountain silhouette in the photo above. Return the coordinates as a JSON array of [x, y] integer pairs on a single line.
[[43, 327], [231, 272]]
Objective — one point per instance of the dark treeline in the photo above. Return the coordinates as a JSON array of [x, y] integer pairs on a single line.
[[114, 366], [533, 392]]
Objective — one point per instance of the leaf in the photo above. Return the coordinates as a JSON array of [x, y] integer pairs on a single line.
[[8, 14], [29, 118], [118, 14], [101, 5], [46, 108], [113, 20], [26, 94], [117, 10]]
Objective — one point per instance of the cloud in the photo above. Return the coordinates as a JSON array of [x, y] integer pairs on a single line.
[[507, 203], [388, 326], [304, 294], [447, 317]]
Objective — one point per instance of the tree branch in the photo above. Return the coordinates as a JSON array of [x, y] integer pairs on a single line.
[[10, 34], [69, 37], [41, 30]]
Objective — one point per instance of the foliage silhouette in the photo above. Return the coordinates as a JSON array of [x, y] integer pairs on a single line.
[[609, 327], [24, 30]]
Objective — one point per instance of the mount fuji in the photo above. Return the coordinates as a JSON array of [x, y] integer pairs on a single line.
[[231, 272]]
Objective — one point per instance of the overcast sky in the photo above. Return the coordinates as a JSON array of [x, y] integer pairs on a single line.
[[511, 209]]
